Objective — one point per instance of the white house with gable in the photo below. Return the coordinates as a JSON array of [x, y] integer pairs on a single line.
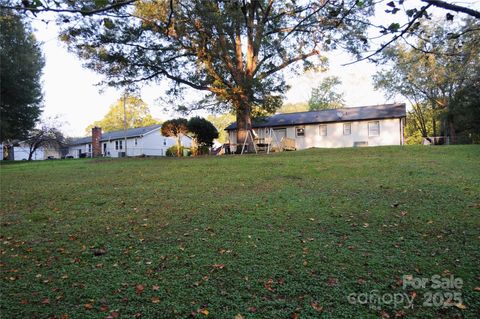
[[346, 127], [147, 141]]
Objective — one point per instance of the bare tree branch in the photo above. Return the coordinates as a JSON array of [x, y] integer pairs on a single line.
[[394, 38], [287, 63], [64, 10], [453, 7]]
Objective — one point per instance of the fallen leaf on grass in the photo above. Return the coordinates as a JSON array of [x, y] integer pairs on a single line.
[[218, 266], [99, 252], [113, 315], [460, 306], [203, 311], [88, 306], [104, 308], [239, 316], [316, 307], [268, 285], [155, 299], [46, 301], [332, 282], [295, 316], [155, 288], [476, 288], [139, 289], [252, 309]]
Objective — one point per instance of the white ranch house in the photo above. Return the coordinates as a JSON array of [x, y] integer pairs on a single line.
[[21, 150], [147, 141], [347, 127]]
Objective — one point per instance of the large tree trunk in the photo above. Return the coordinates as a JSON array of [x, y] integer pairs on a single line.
[[451, 129], [179, 146], [244, 124]]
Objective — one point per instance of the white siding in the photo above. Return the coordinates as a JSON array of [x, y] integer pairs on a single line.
[[390, 134], [151, 144], [75, 150], [20, 153]]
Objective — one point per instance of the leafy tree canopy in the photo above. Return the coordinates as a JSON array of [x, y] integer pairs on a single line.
[[221, 121], [20, 72], [435, 71], [137, 115], [294, 107], [233, 51], [324, 95], [175, 128], [203, 132]]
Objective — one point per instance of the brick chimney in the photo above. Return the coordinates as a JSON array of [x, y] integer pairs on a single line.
[[96, 145]]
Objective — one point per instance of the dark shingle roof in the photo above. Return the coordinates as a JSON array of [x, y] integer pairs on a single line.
[[334, 115], [115, 135]]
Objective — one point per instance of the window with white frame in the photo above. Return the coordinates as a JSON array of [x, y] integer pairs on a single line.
[[164, 141], [300, 130], [136, 142], [116, 145], [347, 128], [120, 144], [374, 128], [89, 148], [322, 129]]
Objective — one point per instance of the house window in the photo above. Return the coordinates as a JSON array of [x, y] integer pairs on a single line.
[[89, 148], [120, 145], [323, 130], [374, 128], [164, 141], [116, 145], [135, 142], [300, 130], [347, 128], [104, 148]]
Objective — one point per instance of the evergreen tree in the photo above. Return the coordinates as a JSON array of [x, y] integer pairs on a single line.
[[20, 72]]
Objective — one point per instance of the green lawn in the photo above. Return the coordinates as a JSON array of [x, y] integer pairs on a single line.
[[287, 235]]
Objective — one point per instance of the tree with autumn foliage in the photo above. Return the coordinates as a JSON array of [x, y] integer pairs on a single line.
[[235, 52], [176, 128], [136, 111]]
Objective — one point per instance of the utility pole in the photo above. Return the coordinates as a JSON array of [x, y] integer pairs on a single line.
[[125, 121]]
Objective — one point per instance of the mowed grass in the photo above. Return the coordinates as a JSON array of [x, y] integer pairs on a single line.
[[287, 235]]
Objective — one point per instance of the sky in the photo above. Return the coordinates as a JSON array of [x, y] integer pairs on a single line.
[[71, 93]]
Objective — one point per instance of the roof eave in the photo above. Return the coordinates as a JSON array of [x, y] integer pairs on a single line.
[[321, 122]]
